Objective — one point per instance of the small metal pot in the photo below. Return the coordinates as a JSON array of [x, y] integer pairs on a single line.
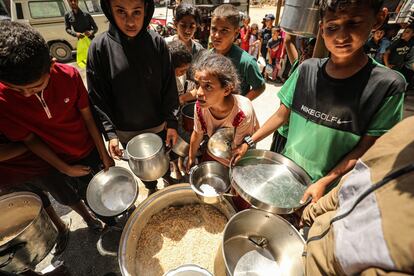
[[301, 17], [188, 270], [259, 243], [219, 145], [112, 192], [147, 157], [26, 232], [187, 113], [216, 178]]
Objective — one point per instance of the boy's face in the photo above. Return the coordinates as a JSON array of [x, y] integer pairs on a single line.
[[128, 15], [186, 28], [209, 91], [30, 89], [275, 34], [180, 71], [407, 34], [346, 31], [73, 4], [223, 34], [269, 23], [378, 35]]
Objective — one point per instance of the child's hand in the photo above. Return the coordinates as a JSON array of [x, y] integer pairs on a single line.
[[315, 190], [172, 137], [107, 162], [238, 153], [190, 163], [113, 148], [77, 170]]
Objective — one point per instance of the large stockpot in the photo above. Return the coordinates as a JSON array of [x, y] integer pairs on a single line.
[[26, 232], [187, 113], [147, 156], [256, 242], [176, 195], [301, 17]]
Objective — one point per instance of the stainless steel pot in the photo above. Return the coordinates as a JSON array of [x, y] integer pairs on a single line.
[[301, 17], [258, 243], [112, 192], [176, 195], [147, 156], [188, 270], [210, 181], [26, 232], [219, 145], [270, 181]]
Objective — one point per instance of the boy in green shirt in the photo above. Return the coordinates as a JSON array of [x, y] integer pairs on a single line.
[[337, 107], [224, 30]]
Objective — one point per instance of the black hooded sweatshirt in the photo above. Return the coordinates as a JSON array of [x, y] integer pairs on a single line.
[[131, 81]]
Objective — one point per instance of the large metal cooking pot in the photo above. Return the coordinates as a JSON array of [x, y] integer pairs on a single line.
[[301, 17], [258, 243], [187, 113], [112, 192], [176, 195], [26, 232], [269, 181], [147, 157]]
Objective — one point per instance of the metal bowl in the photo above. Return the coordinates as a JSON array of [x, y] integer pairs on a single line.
[[220, 143], [188, 270], [112, 192], [210, 180], [269, 181], [175, 195], [259, 243]]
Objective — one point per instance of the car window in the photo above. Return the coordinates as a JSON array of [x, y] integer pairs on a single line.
[[90, 6], [46, 9]]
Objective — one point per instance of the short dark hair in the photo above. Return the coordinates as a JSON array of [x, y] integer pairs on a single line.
[[24, 54], [229, 12], [335, 5], [180, 55], [220, 67], [185, 9]]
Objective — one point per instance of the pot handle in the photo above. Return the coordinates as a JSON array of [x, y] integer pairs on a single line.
[[124, 156], [11, 251], [102, 250], [193, 169]]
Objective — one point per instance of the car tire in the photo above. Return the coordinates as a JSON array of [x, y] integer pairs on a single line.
[[61, 51]]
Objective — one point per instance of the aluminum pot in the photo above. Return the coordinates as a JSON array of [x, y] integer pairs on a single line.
[[26, 232], [188, 270], [176, 195], [259, 243], [112, 192], [301, 17], [210, 181], [187, 113], [147, 156]]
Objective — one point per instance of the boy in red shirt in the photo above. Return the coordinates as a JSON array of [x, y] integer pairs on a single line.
[[45, 105]]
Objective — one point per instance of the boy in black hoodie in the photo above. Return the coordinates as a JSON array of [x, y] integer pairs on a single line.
[[131, 80]]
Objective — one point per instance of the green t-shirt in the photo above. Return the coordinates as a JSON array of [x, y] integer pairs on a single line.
[[249, 74], [329, 116]]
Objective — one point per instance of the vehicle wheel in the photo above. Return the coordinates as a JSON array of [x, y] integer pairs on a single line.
[[61, 51]]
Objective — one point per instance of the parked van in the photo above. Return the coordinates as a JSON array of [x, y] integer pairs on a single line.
[[48, 17]]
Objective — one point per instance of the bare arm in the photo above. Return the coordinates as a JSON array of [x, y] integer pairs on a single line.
[[254, 93], [42, 150], [11, 150], [97, 137], [196, 138], [317, 189], [386, 59], [291, 50]]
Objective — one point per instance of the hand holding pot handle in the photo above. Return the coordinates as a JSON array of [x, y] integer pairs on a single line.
[[113, 149], [172, 137]]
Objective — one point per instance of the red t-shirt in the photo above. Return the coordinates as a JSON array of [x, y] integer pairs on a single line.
[[244, 42], [58, 122]]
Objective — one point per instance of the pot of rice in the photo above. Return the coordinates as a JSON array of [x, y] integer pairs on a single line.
[[172, 228]]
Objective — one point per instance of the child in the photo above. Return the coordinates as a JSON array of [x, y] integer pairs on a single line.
[[245, 33], [337, 107], [224, 30], [266, 33], [217, 105], [131, 79], [254, 42], [45, 105], [372, 47], [186, 20], [395, 55], [181, 60], [275, 49]]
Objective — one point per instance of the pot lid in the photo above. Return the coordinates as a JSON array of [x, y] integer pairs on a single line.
[[220, 143], [270, 181]]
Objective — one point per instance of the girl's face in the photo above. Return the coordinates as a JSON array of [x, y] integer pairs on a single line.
[[128, 15], [254, 31], [210, 93], [186, 28]]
